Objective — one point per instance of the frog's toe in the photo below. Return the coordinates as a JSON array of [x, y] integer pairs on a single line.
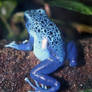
[[12, 44], [28, 81], [37, 91], [43, 86], [40, 86], [6, 46], [25, 41], [36, 83], [31, 91], [73, 63]]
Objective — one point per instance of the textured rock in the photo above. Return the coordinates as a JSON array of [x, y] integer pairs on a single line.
[[16, 65]]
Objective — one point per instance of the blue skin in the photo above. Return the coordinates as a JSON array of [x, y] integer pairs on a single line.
[[48, 46]]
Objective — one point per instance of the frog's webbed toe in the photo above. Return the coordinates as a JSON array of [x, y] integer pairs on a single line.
[[12, 44], [25, 41], [40, 85], [44, 86], [38, 88], [37, 84], [28, 81]]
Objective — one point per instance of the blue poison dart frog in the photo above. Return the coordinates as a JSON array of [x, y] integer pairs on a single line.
[[48, 45]]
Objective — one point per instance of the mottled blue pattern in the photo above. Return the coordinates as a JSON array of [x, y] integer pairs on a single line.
[[52, 53], [39, 24]]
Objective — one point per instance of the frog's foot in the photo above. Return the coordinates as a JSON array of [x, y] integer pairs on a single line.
[[38, 91], [38, 88], [42, 90], [37, 84], [73, 63], [40, 85], [12, 45], [28, 81]]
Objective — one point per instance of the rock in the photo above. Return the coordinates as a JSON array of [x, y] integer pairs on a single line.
[[16, 65]]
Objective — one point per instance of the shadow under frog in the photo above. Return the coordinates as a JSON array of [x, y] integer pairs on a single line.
[[48, 46]]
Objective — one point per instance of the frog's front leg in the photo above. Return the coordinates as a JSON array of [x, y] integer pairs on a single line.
[[26, 45]]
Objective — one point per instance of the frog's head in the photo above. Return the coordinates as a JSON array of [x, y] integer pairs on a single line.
[[30, 13]]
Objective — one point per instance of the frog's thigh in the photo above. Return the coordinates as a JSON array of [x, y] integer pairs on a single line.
[[46, 67]]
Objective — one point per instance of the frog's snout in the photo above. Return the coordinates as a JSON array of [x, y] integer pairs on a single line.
[[25, 18]]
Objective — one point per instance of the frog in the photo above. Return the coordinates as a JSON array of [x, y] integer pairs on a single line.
[[47, 42]]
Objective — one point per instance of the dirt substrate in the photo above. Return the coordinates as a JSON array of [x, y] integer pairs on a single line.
[[16, 65]]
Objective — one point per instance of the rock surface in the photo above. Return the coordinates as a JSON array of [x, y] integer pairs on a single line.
[[16, 65]]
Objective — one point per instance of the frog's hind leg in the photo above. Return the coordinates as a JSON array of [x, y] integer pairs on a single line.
[[72, 53], [41, 71]]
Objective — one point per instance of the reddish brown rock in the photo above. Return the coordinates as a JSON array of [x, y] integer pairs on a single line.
[[16, 65]]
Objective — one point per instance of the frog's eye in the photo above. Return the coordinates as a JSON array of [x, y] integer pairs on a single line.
[[41, 11]]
